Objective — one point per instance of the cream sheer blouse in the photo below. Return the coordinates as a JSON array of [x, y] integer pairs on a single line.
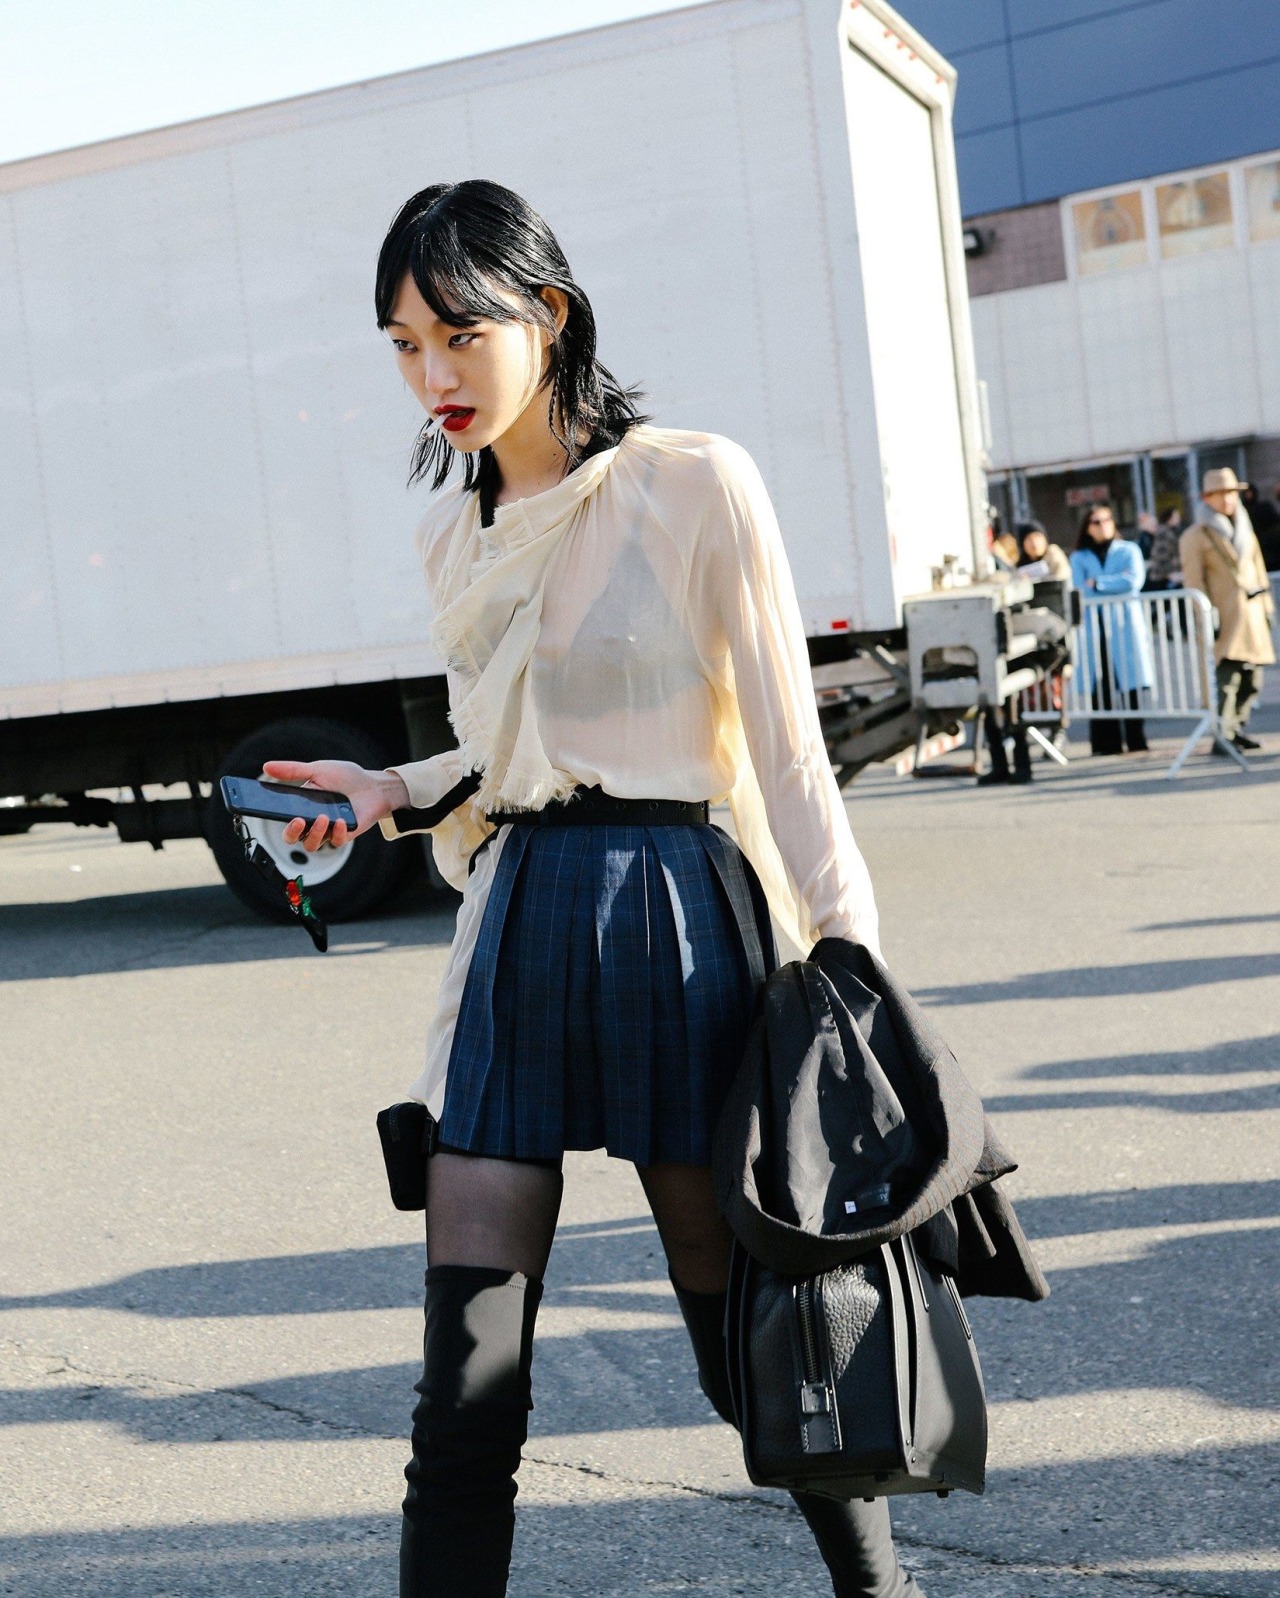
[[634, 627]]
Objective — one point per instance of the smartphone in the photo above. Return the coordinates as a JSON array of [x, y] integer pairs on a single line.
[[281, 801]]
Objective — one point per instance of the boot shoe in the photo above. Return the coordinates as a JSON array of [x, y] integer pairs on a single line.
[[468, 1430]]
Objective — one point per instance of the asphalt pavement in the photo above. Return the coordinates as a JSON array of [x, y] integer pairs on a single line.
[[209, 1313]]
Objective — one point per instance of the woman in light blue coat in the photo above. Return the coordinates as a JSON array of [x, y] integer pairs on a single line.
[[1115, 645]]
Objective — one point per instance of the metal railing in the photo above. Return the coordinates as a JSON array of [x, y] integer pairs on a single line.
[[1148, 656]]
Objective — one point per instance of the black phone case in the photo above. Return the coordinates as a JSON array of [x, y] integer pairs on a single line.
[[341, 811]]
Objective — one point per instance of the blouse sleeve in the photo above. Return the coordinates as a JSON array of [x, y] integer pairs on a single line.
[[428, 782], [752, 588]]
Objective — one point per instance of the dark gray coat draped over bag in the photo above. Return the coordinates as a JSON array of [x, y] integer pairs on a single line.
[[850, 1123]]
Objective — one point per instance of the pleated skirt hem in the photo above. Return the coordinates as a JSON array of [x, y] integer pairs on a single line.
[[609, 994]]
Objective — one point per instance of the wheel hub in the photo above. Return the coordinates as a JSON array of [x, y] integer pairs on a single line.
[[292, 858]]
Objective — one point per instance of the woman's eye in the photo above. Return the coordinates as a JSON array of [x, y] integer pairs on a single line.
[[402, 345], [459, 341]]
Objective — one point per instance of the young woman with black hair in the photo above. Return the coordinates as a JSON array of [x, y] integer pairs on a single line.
[[623, 645], [1117, 654]]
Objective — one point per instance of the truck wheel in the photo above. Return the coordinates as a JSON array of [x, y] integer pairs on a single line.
[[345, 883]]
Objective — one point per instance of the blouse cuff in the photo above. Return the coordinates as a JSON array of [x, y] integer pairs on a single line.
[[436, 788]]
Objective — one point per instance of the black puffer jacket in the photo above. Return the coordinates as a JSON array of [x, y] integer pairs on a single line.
[[850, 1123]]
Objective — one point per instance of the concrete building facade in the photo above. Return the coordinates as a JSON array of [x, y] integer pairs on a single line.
[[1120, 175]]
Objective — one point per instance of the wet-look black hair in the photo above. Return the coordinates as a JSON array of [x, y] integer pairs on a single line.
[[462, 243]]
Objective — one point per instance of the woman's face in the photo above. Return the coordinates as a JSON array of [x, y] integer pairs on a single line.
[[476, 381], [1034, 546], [1102, 525]]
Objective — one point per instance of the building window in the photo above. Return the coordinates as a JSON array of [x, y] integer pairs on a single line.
[[1110, 233], [1262, 183], [1195, 215]]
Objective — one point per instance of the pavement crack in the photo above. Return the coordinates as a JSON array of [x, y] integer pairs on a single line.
[[1141, 1582], [343, 1428], [142, 1380]]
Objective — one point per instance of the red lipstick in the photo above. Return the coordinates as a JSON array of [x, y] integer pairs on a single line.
[[454, 418]]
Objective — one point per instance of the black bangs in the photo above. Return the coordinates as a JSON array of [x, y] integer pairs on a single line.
[[454, 286], [466, 245]]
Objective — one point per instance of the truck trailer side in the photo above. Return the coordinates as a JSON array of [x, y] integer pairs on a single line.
[[204, 527]]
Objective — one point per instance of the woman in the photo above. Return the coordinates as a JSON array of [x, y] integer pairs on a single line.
[[623, 645], [1165, 560], [1034, 549], [1116, 641]]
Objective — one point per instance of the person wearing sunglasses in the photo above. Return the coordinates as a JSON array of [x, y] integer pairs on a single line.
[[1115, 655]]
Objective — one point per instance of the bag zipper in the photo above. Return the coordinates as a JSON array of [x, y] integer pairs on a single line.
[[816, 1397], [808, 1336]]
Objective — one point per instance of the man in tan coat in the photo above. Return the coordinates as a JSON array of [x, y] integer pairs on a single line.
[[1221, 557]]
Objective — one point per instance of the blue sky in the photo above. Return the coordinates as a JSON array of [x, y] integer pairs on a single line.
[[75, 71]]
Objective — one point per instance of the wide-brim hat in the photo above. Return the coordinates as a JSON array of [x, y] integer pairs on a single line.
[[1220, 480]]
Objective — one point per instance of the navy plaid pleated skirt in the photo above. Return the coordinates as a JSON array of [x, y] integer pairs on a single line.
[[609, 994]]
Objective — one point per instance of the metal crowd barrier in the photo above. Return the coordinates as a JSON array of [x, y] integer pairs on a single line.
[[1044, 704], [1166, 638]]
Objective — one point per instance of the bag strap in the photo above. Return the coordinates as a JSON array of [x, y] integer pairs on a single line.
[[414, 818]]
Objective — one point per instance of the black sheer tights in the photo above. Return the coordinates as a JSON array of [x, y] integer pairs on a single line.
[[499, 1213], [502, 1213]]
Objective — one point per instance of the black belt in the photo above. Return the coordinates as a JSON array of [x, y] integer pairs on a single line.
[[592, 807]]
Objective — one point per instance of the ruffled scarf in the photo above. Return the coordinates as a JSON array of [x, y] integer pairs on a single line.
[[487, 628]]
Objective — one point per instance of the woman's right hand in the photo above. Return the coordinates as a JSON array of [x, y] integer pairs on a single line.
[[373, 795]]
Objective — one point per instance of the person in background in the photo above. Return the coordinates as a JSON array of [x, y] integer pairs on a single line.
[[1265, 516], [1164, 562], [1148, 527], [1221, 557], [1000, 722], [1004, 546], [1116, 648], [1039, 559], [1034, 547]]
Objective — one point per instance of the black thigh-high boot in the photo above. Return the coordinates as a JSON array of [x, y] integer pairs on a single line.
[[854, 1539], [468, 1429]]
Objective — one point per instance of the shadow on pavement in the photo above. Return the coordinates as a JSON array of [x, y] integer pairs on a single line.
[[1038, 1528], [1124, 1210], [386, 1277], [1218, 1059], [1226, 1101], [1168, 1314], [1093, 982], [1265, 919], [191, 927]]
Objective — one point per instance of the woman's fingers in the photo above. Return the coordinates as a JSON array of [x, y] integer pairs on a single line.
[[288, 770], [337, 837]]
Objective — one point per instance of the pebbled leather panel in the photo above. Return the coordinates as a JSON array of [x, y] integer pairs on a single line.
[[862, 1361]]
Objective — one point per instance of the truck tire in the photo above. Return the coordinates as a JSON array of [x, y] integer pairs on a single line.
[[344, 884]]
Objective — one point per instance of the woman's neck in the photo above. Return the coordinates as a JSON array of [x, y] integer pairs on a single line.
[[529, 457]]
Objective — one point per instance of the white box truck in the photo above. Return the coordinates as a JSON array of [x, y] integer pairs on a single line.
[[206, 550]]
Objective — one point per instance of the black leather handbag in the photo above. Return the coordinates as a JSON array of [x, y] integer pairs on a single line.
[[860, 1382]]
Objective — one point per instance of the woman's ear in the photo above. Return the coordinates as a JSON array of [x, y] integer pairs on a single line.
[[557, 301]]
